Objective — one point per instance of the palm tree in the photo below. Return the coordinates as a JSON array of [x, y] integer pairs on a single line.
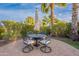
[[74, 18], [46, 7]]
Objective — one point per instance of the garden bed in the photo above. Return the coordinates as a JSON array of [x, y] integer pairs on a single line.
[[69, 41]]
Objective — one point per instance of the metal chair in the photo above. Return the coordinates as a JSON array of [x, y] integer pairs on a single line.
[[28, 44], [45, 48]]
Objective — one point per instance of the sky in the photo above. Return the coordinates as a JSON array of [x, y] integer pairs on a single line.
[[20, 11]]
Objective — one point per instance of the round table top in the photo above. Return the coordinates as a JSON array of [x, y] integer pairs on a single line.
[[37, 35]]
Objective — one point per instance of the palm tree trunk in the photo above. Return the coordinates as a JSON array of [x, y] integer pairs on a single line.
[[52, 13], [52, 17], [74, 18]]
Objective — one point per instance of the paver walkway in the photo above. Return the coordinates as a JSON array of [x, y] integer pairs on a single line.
[[59, 48]]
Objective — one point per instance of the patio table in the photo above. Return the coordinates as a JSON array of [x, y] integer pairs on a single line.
[[37, 37]]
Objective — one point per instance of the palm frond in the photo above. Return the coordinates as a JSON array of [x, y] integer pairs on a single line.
[[61, 4], [45, 7]]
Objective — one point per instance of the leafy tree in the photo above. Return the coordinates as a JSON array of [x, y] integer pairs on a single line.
[[27, 26], [29, 21]]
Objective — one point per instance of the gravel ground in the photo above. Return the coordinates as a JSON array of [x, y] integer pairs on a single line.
[[59, 48]]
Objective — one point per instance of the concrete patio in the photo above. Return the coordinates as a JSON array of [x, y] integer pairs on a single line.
[[59, 48]]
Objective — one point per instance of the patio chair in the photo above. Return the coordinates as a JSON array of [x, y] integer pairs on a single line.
[[45, 48], [28, 44]]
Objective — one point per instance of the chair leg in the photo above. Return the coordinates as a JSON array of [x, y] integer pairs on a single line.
[[45, 49], [27, 49]]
